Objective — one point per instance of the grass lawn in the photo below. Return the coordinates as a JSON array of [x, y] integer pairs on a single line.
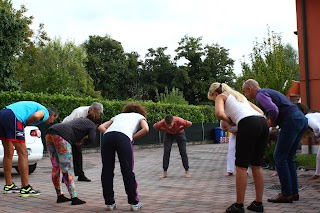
[[307, 160]]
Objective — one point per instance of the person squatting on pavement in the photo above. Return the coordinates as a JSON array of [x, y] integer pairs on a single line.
[[81, 112], [174, 126], [292, 124], [13, 119], [232, 107], [59, 138], [118, 136]]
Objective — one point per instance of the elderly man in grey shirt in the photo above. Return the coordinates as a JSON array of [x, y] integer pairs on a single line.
[[81, 112]]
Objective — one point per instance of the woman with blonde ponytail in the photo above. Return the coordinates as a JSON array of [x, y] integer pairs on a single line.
[[222, 87], [251, 140]]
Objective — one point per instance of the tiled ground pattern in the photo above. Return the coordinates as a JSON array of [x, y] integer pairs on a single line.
[[207, 191]]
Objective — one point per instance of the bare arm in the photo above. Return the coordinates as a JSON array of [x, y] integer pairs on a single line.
[[37, 116], [144, 130], [103, 127], [186, 125], [189, 123], [219, 109], [155, 127], [228, 127], [158, 127]]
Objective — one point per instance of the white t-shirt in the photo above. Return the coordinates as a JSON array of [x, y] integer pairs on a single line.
[[237, 110], [314, 122], [126, 123], [80, 112]]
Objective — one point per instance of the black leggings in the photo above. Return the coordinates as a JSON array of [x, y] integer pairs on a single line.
[[252, 138], [112, 143]]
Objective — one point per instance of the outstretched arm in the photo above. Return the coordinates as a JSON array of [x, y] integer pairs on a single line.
[[271, 108], [37, 116], [103, 127], [158, 126]]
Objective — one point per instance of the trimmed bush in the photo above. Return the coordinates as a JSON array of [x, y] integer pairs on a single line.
[[155, 111]]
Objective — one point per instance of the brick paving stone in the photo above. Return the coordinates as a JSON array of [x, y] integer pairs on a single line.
[[207, 191]]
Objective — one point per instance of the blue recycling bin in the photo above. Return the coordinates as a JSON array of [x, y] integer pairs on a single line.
[[218, 134]]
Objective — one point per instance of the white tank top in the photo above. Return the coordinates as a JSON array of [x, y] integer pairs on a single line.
[[237, 110]]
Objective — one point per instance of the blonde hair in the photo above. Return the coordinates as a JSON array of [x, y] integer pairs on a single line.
[[222, 87]]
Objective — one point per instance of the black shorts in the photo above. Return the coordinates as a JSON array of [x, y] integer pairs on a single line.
[[11, 128], [252, 138]]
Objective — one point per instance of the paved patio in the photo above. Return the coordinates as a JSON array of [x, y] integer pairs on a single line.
[[207, 191]]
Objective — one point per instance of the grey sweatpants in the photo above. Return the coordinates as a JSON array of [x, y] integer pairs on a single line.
[[182, 143]]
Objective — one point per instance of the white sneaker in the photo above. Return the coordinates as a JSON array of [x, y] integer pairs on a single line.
[[136, 207], [111, 207]]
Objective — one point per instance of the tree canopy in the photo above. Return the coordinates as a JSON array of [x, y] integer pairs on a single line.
[[204, 66], [273, 64], [14, 33], [100, 67]]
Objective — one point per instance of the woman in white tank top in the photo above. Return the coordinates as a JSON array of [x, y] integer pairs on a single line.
[[251, 140]]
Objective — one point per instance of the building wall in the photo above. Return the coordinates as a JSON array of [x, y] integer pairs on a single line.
[[312, 17]]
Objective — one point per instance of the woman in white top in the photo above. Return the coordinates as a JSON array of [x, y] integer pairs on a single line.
[[252, 135], [314, 126], [119, 133]]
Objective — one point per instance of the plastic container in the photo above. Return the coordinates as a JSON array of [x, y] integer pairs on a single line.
[[219, 135]]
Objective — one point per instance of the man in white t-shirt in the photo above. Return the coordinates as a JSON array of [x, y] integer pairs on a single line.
[[81, 112]]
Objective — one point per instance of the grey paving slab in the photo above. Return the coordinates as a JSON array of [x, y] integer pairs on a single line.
[[207, 191]]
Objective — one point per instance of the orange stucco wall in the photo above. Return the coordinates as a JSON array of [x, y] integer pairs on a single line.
[[312, 17]]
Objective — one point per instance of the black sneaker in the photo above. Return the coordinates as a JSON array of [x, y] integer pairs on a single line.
[[11, 189], [62, 199], [77, 201], [234, 209], [28, 192], [255, 208], [84, 178]]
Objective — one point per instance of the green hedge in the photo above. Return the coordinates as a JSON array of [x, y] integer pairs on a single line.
[[155, 111]]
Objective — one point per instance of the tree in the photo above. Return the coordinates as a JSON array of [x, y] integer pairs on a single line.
[[157, 71], [134, 86], [173, 97], [273, 64], [55, 68], [107, 66], [14, 32], [205, 65]]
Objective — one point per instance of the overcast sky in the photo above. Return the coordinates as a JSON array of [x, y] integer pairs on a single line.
[[143, 24]]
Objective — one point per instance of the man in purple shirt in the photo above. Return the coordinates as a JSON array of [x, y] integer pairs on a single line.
[[292, 124]]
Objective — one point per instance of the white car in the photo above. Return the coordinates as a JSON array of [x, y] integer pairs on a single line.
[[34, 145]]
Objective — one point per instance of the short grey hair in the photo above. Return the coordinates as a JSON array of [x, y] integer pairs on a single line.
[[96, 106], [53, 111], [252, 83]]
